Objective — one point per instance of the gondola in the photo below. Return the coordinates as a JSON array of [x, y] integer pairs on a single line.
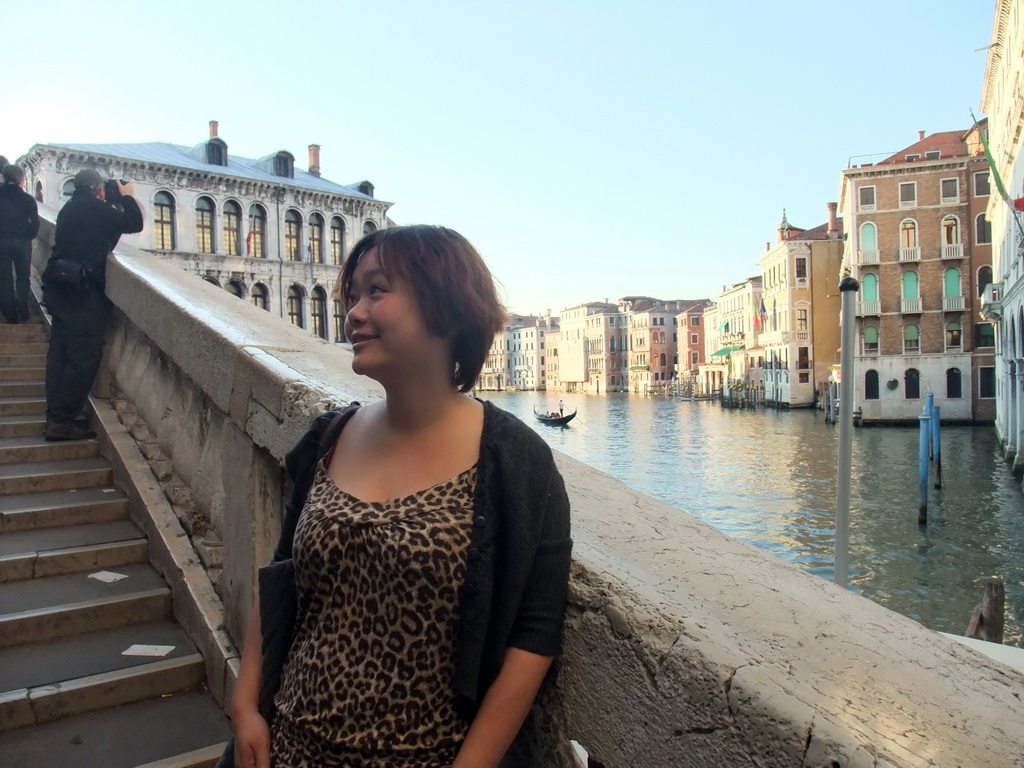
[[555, 421]]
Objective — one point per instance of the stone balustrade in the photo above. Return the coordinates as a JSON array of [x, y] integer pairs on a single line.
[[683, 647]]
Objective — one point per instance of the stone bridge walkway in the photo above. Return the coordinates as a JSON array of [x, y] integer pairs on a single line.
[[77, 592]]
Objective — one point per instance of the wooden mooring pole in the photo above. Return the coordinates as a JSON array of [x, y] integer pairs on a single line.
[[987, 621]]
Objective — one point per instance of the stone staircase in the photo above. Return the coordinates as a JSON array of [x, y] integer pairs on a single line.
[[69, 696]]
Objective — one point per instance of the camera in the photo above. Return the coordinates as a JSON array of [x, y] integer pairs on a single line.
[[111, 192]]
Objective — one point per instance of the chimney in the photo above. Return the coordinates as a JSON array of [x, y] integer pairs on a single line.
[[314, 159], [920, 135], [213, 129], [767, 245], [833, 224]]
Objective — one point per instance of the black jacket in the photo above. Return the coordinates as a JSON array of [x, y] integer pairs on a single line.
[[19, 216], [88, 229], [519, 551]]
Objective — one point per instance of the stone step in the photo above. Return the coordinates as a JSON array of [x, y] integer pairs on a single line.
[[40, 476], [199, 758], [14, 450], [22, 406], [22, 348], [47, 703], [22, 374], [30, 388], [129, 736], [23, 333], [32, 511], [22, 361], [71, 549], [42, 609], [22, 425]]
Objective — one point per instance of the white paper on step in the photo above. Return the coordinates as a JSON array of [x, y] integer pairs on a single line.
[[147, 650], [107, 577]]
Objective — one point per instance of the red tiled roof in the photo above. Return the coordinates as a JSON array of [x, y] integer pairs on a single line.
[[948, 143], [819, 232]]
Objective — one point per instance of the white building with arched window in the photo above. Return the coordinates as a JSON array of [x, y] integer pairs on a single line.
[[262, 229]]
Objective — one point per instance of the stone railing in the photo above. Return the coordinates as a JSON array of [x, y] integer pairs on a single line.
[[683, 647]]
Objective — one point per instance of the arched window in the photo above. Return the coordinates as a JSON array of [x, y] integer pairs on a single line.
[[292, 235], [260, 297], [212, 280], [912, 384], [163, 221], [951, 230], [954, 341], [954, 384], [910, 287], [982, 230], [871, 385], [256, 240], [232, 228], [69, 189], [984, 279], [870, 340], [951, 282], [908, 233], [337, 240], [868, 237], [662, 360], [316, 239], [339, 320], [369, 228], [204, 225], [39, 191], [318, 311], [869, 287], [235, 288], [295, 308], [911, 339]]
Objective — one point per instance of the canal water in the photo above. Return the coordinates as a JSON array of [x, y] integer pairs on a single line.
[[769, 477]]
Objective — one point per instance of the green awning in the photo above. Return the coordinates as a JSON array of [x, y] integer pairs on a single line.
[[726, 351]]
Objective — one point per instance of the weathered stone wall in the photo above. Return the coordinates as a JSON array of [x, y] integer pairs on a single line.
[[683, 647]]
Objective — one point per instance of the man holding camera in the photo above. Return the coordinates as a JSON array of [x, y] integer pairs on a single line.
[[88, 228], [19, 223]]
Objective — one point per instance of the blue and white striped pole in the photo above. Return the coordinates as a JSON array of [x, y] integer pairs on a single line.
[[922, 466]]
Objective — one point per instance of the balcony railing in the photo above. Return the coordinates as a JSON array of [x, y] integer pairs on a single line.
[[866, 207], [952, 303], [908, 203], [954, 251], [910, 305], [910, 254], [868, 308], [949, 200], [869, 257]]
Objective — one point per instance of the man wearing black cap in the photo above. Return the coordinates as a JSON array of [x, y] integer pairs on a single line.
[[87, 230], [19, 223]]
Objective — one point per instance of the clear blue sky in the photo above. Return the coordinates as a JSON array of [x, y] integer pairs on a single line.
[[590, 149]]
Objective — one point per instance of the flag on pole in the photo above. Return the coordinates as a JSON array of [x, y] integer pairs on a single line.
[[757, 317], [998, 179]]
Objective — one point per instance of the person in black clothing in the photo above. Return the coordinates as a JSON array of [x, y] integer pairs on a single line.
[[19, 223], [87, 230]]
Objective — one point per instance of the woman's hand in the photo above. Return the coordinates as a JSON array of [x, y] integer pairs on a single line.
[[252, 741]]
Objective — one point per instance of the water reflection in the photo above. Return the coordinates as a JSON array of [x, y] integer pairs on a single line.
[[768, 477]]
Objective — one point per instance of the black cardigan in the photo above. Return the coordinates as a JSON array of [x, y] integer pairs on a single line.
[[519, 552]]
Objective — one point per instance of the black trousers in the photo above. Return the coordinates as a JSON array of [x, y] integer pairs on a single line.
[[16, 254], [76, 348]]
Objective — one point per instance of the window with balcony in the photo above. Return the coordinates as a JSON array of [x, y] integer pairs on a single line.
[[801, 319], [869, 291], [954, 384], [954, 342], [982, 230], [163, 221], [951, 248], [908, 194], [912, 384], [911, 339], [987, 382], [337, 240], [870, 336], [952, 294], [949, 191], [981, 185], [909, 250], [871, 385], [866, 199], [256, 240], [868, 243], [232, 228], [984, 279], [204, 225], [910, 296], [292, 235]]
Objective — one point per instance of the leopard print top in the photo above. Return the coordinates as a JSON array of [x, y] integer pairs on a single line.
[[370, 677]]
